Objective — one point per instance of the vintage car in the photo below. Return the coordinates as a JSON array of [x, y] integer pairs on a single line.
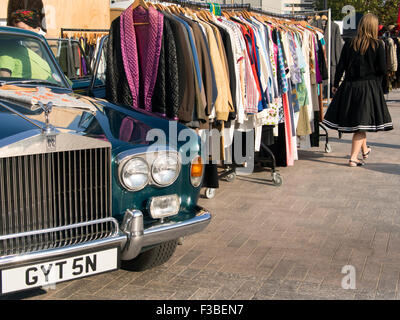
[[85, 187]]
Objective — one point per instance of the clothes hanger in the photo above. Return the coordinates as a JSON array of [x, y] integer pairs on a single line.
[[207, 15], [225, 14], [246, 14], [173, 9], [140, 3], [143, 4], [201, 14]]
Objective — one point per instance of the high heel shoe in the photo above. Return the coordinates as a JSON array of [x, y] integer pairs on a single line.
[[354, 164], [366, 155]]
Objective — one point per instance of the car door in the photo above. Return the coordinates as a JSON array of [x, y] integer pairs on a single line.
[[98, 84]]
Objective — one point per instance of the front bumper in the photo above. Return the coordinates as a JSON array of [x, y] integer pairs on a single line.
[[130, 237], [139, 238]]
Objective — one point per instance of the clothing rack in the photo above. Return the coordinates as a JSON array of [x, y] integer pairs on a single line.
[[328, 148], [82, 30], [244, 6], [229, 172]]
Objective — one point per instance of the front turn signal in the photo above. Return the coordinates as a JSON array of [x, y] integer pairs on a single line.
[[196, 171]]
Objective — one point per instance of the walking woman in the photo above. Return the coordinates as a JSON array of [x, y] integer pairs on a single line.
[[359, 105]]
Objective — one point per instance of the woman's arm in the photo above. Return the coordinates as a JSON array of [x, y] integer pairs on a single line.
[[340, 68], [380, 63]]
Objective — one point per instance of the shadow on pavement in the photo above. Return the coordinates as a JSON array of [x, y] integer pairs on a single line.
[[308, 155], [372, 144], [23, 294], [389, 168], [266, 182]]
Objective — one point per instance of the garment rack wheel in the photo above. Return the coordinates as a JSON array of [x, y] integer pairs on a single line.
[[210, 193], [328, 147], [229, 175], [277, 179]]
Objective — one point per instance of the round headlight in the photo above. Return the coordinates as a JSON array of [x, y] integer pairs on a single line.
[[165, 169], [135, 174]]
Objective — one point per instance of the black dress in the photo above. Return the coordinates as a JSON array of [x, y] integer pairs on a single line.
[[359, 104]]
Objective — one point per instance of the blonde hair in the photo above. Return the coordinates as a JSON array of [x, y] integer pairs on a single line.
[[367, 34]]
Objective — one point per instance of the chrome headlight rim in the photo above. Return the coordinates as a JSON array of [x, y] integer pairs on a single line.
[[178, 168], [148, 157], [122, 167]]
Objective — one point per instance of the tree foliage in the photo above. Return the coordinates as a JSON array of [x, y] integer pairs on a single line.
[[386, 10]]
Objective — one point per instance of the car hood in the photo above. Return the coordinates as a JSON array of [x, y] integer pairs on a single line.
[[124, 128]]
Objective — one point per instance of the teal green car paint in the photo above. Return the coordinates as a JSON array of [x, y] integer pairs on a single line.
[[108, 118], [126, 130]]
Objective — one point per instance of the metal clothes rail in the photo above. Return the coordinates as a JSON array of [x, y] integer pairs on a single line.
[[82, 30], [328, 147], [244, 6]]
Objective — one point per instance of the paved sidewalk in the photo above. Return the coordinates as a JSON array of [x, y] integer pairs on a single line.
[[288, 242]]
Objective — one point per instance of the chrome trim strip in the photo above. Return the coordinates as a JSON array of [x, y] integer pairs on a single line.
[[71, 226], [5, 262]]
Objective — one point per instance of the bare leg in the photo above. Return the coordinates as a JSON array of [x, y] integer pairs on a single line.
[[365, 149], [359, 139]]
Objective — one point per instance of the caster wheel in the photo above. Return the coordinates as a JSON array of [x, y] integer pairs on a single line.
[[231, 177], [210, 193], [277, 179], [328, 148]]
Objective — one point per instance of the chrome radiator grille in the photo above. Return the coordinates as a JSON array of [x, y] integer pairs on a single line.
[[52, 190]]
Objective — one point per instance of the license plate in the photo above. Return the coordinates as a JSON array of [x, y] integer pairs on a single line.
[[47, 273]]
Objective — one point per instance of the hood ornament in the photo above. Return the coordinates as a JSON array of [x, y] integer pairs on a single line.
[[47, 108], [48, 130]]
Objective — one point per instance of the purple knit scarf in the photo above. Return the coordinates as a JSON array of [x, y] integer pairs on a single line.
[[148, 57]]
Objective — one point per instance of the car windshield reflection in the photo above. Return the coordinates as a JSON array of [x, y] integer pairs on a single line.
[[25, 60]]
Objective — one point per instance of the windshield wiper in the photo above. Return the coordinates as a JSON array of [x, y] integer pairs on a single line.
[[2, 83]]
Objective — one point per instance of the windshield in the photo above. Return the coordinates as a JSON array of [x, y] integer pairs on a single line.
[[26, 60]]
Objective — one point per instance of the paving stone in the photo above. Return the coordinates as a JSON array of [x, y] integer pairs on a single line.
[[138, 292], [289, 242], [203, 294], [248, 289]]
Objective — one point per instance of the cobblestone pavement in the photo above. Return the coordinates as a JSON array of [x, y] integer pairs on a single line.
[[288, 242]]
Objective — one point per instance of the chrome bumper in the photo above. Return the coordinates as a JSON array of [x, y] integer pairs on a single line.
[[138, 238], [37, 256], [130, 237]]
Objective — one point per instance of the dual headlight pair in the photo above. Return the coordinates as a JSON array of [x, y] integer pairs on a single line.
[[159, 168]]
